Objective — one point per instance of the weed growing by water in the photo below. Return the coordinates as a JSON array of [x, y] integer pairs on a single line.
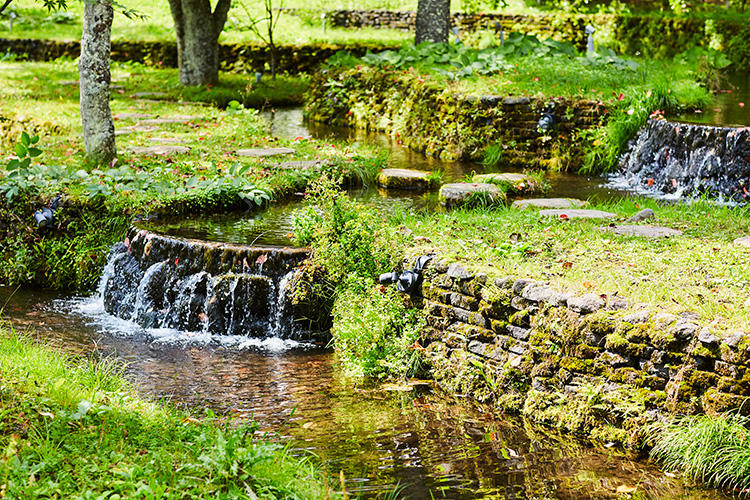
[[711, 449]]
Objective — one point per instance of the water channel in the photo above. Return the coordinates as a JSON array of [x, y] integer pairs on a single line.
[[420, 442]]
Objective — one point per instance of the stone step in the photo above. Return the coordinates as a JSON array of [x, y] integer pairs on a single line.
[[577, 213], [647, 231], [744, 241], [402, 178], [463, 193], [554, 203], [159, 150], [171, 119], [263, 152]]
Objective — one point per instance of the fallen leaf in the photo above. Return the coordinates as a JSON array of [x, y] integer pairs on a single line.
[[308, 425], [202, 317], [261, 259], [626, 489], [589, 284], [567, 265]]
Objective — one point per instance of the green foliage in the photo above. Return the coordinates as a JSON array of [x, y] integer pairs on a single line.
[[711, 449], [77, 429], [20, 177], [375, 334]]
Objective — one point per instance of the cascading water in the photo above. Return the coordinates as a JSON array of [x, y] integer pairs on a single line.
[[159, 281], [683, 159]]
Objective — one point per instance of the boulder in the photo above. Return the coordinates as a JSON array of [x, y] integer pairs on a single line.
[[402, 178]]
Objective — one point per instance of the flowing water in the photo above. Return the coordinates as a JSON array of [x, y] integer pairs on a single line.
[[419, 442], [424, 443]]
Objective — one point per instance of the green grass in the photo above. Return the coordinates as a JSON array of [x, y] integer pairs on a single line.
[[75, 428], [712, 449], [700, 271]]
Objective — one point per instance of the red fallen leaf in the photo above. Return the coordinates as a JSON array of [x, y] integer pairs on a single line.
[[423, 238], [564, 216], [674, 183], [621, 96], [567, 265], [742, 104], [202, 317], [589, 284], [244, 262], [650, 182], [127, 242], [176, 260], [261, 259]]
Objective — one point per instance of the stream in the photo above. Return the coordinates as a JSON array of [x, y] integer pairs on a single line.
[[420, 443]]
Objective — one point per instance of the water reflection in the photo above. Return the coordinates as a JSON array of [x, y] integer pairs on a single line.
[[429, 444], [730, 106]]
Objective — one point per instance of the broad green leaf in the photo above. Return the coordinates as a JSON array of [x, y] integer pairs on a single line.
[[25, 139], [21, 150]]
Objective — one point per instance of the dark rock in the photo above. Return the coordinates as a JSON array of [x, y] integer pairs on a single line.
[[458, 272], [586, 304], [706, 338]]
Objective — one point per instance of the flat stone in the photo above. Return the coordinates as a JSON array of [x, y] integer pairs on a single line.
[[705, 337], [263, 152], [643, 231], [514, 100], [150, 95], [123, 132], [577, 213], [159, 150], [459, 272], [299, 165], [460, 193], [586, 304], [402, 178], [554, 203], [744, 241], [170, 119], [645, 214], [132, 116], [167, 140]]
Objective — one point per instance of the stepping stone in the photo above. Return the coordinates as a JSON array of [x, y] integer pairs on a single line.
[[263, 152], [643, 231], [150, 95], [171, 119], [132, 116], [70, 83], [159, 150], [123, 132], [299, 165], [167, 140], [744, 241], [402, 178], [462, 193], [556, 203], [577, 213]]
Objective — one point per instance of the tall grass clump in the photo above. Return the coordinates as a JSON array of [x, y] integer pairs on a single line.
[[711, 449], [373, 329]]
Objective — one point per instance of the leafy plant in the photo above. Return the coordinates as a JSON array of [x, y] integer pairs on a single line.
[[19, 177]]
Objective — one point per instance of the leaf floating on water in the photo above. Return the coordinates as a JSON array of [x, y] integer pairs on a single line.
[[202, 317], [147, 247], [127, 242], [261, 259]]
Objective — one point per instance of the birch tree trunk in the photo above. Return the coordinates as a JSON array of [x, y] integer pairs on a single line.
[[198, 31], [93, 70], [433, 21]]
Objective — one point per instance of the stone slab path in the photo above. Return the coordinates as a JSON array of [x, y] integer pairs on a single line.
[[643, 231], [264, 152], [133, 116], [577, 213], [184, 119], [553, 203], [167, 140], [459, 193], [402, 178], [299, 165], [159, 150], [744, 241]]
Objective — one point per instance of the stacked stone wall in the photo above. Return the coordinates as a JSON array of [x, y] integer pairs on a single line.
[[452, 126], [591, 364]]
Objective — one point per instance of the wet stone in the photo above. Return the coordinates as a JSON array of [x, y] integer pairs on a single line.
[[551, 203], [263, 152], [402, 178], [159, 150], [643, 231], [742, 242], [577, 213], [461, 193]]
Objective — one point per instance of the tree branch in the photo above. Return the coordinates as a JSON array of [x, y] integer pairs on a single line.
[[5, 5], [219, 17]]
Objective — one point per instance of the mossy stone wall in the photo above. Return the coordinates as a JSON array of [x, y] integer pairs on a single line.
[[591, 364], [234, 57], [650, 35], [426, 117]]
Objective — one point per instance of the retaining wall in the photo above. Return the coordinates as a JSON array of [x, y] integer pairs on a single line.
[[590, 364], [433, 120]]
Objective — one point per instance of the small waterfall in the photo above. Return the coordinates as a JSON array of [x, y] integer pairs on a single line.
[[157, 281], [683, 159]]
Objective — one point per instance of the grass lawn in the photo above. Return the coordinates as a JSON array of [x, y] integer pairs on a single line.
[[700, 271], [75, 428]]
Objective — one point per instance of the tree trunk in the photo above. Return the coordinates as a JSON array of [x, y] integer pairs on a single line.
[[433, 21], [93, 70], [198, 33]]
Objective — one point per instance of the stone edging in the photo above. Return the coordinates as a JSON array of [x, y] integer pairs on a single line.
[[590, 364]]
